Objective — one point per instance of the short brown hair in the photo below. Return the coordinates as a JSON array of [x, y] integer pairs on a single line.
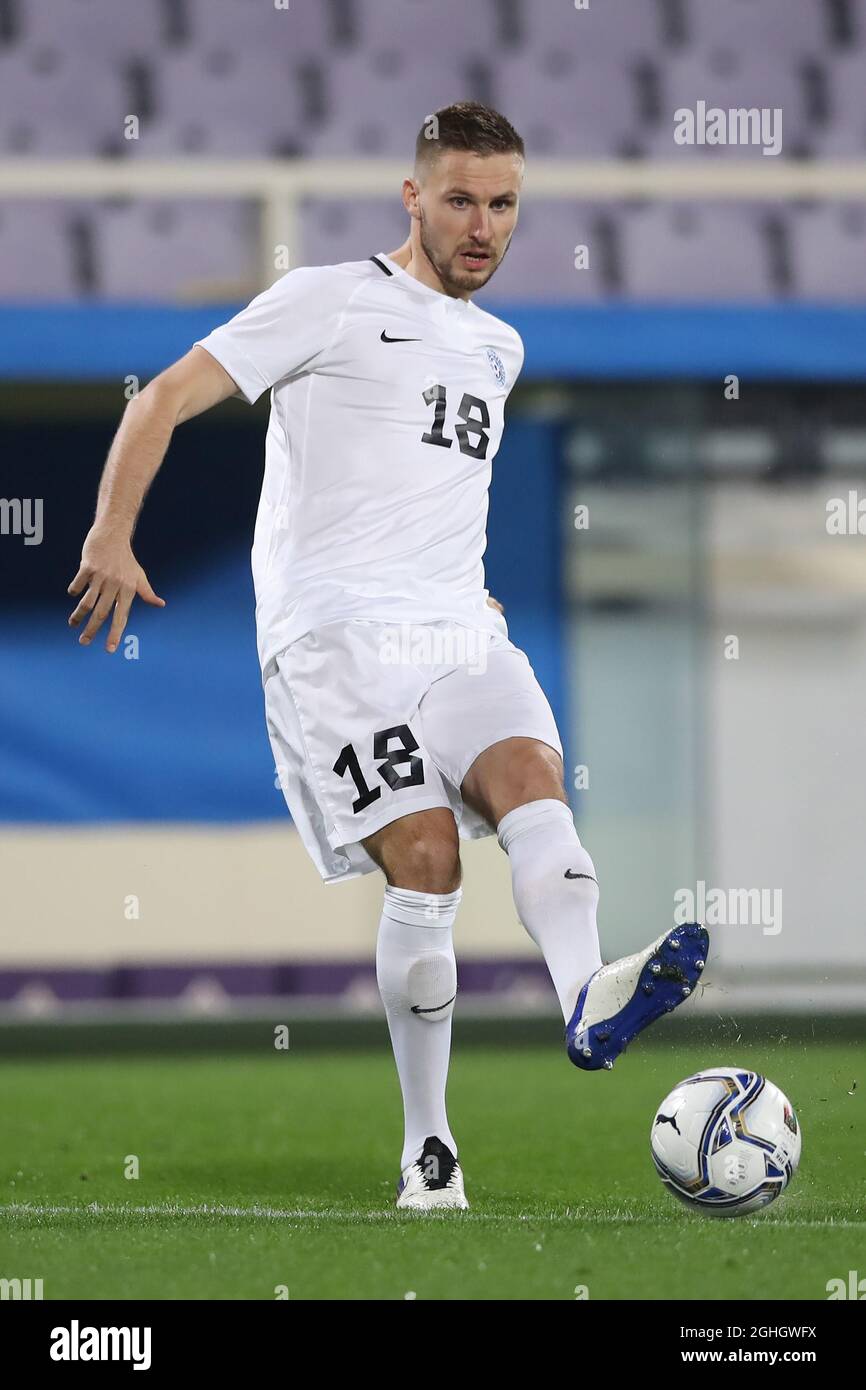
[[467, 125]]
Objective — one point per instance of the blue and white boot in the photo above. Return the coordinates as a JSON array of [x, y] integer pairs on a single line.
[[623, 998]]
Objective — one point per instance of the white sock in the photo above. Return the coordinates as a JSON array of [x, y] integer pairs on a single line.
[[415, 966], [557, 910]]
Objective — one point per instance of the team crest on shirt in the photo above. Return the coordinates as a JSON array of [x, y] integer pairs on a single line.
[[496, 365]]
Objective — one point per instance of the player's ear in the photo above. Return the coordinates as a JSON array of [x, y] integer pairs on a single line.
[[411, 192]]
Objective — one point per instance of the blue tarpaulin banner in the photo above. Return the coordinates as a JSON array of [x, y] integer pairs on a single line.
[[785, 341]]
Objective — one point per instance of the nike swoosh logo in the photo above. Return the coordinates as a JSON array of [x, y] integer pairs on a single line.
[[383, 338], [416, 1008], [569, 873]]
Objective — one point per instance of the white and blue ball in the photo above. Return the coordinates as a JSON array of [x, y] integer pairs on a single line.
[[726, 1141]]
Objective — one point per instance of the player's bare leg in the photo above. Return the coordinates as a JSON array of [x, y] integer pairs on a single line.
[[415, 967], [511, 773], [420, 852], [517, 785]]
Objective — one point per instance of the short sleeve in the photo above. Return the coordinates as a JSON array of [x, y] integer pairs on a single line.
[[520, 356], [283, 330]]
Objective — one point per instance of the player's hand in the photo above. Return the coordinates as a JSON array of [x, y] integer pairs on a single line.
[[110, 577], [494, 603]]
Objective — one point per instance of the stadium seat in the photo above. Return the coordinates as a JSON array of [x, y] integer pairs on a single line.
[[47, 109], [855, 13], [169, 250], [418, 25], [828, 252], [377, 101], [36, 251], [695, 252], [540, 262], [335, 230], [769, 27], [242, 102], [844, 136], [609, 30], [89, 29], [304, 29], [728, 78], [568, 106]]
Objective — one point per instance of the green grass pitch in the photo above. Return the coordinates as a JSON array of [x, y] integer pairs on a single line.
[[261, 1172]]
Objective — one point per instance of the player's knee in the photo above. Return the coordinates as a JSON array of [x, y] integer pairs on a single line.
[[534, 773], [432, 986], [426, 864], [538, 773]]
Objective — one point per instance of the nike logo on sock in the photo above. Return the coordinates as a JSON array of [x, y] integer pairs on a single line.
[[569, 873], [416, 1008]]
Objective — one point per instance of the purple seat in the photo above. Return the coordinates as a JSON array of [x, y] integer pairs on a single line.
[[857, 11], [212, 139], [568, 106], [36, 259], [47, 109], [828, 252], [334, 230], [611, 31], [442, 29], [844, 136], [695, 252], [379, 99], [101, 30], [241, 102], [167, 250], [540, 262], [303, 30], [728, 79], [770, 27]]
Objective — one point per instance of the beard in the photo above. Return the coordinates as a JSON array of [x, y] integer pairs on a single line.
[[455, 279]]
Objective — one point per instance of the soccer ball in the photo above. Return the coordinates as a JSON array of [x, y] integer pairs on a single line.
[[726, 1141]]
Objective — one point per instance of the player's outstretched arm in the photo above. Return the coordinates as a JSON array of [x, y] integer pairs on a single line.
[[109, 576]]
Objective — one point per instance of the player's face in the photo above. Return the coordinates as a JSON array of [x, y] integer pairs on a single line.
[[468, 209]]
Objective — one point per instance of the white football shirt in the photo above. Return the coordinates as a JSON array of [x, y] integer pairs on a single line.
[[387, 409]]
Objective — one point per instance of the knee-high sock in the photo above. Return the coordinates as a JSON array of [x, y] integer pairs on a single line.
[[417, 977], [555, 892]]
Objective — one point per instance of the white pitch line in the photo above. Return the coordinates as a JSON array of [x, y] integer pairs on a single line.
[[564, 1218]]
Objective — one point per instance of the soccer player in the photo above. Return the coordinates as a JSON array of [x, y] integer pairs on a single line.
[[401, 716]]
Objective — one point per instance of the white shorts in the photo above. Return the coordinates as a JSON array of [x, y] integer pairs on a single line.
[[372, 721]]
